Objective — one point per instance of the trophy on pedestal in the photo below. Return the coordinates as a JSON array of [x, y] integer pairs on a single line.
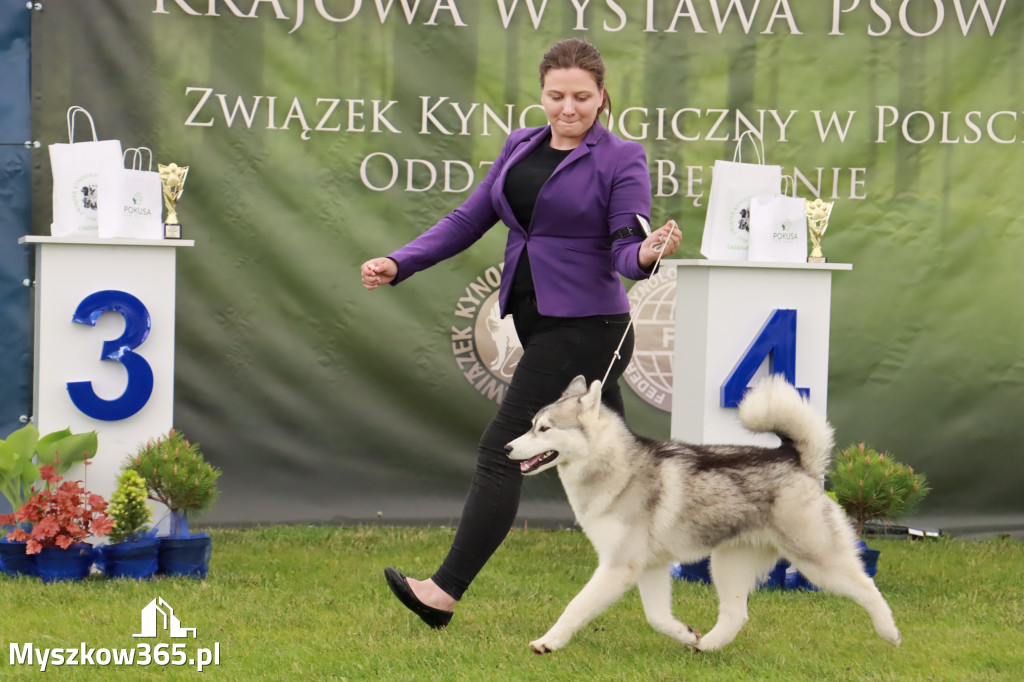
[[172, 178], [818, 213]]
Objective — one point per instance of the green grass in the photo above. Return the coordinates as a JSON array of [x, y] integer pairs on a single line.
[[310, 603]]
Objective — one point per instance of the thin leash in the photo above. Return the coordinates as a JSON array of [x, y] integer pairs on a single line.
[[658, 248]]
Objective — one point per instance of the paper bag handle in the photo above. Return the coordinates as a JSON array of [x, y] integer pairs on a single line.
[[138, 158], [737, 156], [74, 111], [790, 181]]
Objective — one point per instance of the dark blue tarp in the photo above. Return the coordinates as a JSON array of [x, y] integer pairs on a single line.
[[15, 213]]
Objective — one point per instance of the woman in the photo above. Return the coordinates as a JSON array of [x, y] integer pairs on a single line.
[[571, 194]]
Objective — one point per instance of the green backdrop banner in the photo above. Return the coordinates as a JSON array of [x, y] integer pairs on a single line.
[[321, 133]]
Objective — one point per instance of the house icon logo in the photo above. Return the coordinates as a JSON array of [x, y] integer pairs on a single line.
[[159, 612]]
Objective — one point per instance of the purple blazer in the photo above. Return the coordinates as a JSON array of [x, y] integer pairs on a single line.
[[597, 190]]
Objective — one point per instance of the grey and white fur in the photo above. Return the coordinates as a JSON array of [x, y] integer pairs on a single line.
[[645, 503]]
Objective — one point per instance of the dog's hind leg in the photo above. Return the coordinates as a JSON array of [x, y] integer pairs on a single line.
[[605, 587], [655, 585], [843, 574], [735, 570]]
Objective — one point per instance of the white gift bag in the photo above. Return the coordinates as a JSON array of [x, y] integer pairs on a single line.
[[733, 183], [778, 229], [76, 170], [132, 199]]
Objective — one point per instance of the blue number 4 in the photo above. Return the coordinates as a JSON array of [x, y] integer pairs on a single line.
[[137, 324], [776, 342]]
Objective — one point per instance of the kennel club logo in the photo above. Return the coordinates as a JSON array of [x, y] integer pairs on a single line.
[[739, 225], [649, 373], [486, 348], [85, 194]]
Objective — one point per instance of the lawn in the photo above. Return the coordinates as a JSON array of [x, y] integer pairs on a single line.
[[310, 603]]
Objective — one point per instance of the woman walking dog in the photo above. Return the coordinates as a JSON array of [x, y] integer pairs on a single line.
[[574, 197]]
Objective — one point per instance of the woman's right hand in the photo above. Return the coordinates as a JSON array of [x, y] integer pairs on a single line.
[[378, 271]]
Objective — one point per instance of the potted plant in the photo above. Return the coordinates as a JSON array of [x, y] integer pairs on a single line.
[[62, 515], [133, 552], [873, 486], [178, 476], [21, 456]]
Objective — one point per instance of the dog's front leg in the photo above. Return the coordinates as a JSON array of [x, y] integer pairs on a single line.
[[605, 587]]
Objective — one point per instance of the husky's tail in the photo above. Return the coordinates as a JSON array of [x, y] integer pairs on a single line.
[[774, 405]]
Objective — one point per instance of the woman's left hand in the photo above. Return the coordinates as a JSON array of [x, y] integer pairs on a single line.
[[664, 241]]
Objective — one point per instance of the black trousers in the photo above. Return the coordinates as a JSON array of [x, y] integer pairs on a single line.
[[555, 350]]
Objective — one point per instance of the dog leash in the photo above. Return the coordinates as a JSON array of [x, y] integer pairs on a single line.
[[658, 248]]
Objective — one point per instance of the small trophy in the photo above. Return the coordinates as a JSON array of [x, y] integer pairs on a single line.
[[172, 177], [817, 222]]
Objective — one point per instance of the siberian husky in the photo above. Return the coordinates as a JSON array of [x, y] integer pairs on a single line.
[[645, 503]]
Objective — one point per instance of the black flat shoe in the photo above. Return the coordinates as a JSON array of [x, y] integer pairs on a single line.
[[435, 618]]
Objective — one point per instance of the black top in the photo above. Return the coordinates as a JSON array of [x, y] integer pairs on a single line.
[[522, 185]]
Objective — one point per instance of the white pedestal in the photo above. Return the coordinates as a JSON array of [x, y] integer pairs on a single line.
[[722, 309], [119, 285]]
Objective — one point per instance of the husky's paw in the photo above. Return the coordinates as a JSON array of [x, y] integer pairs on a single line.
[[540, 647], [691, 639], [894, 637], [548, 643], [710, 642], [681, 632]]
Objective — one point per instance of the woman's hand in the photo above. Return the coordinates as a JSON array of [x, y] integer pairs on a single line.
[[378, 271], [664, 241]]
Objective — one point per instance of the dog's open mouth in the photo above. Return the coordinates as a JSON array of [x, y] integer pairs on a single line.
[[540, 460]]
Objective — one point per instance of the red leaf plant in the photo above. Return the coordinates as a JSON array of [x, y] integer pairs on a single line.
[[61, 514]]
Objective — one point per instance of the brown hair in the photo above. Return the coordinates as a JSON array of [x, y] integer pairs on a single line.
[[573, 53]]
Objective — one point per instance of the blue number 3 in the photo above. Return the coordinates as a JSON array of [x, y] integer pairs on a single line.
[[137, 324]]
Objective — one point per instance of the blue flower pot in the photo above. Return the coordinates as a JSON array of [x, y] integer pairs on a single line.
[[698, 572], [778, 577], [187, 556], [74, 563], [782, 576], [795, 580], [14, 560], [137, 559], [868, 557]]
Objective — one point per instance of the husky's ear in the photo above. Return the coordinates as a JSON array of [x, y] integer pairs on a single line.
[[577, 387], [592, 399]]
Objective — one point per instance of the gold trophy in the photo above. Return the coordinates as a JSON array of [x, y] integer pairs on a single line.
[[172, 177], [818, 213]]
